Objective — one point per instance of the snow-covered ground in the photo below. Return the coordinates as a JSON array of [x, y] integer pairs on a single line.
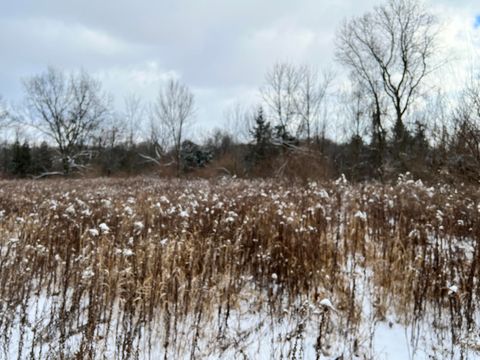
[[252, 330]]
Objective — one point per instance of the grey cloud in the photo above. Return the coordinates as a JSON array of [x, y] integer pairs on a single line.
[[221, 48]]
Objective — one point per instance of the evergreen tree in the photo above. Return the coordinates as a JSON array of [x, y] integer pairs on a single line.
[[5, 157], [193, 155], [42, 159], [401, 138], [420, 143], [262, 136], [21, 159]]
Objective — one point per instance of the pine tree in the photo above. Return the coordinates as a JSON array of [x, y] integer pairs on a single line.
[[420, 142], [42, 159], [194, 156], [262, 136], [401, 139], [21, 159]]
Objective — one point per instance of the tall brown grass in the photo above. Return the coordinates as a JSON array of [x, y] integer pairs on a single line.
[[143, 267]]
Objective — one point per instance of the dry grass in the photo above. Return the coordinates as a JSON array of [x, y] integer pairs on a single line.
[[143, 267]]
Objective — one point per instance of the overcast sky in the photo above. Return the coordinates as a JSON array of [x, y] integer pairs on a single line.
[[220, 48]]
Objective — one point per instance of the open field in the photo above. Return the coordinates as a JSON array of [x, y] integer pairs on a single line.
[[233, 269]]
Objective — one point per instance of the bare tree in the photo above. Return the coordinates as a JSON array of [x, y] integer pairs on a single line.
[[68, 108], [278, 93], [309, 97], [133, 115], [3, 110], [465, 143], [6, 115], [123, 126], [390, 50], [355, 109], [238, 121], [294, 98], [171, 114]]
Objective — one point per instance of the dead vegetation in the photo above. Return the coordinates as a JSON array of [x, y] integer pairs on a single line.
[[193, 269]]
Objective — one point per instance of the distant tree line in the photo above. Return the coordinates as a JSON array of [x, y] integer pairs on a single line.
[[396, 122]]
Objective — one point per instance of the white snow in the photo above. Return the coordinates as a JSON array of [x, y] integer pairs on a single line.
[[93, 232], [452, 289], [104, 228], [326, 303], [361, 215]]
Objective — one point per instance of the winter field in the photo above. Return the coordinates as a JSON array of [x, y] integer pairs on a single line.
[[237, 269]]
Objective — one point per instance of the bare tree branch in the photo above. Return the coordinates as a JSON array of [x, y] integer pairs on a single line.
[[390, 49], [281, 84], [171, 114], [68, 108], [309, 98]]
